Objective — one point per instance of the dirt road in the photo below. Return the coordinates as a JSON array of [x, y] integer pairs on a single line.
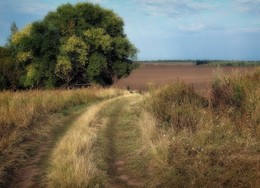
[[98, 144], [121, 138]]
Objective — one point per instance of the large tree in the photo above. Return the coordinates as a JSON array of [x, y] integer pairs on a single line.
[[76, 44]]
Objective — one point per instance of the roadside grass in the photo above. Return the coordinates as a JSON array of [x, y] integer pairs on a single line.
[[70, 163], [26, 118], [61, 123], [215, 145], [237, 97]]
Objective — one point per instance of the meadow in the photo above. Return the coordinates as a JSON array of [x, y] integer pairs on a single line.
[[204, 142], [172, 135]]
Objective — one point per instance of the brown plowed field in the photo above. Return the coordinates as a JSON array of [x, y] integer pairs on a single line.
[[159, 74]]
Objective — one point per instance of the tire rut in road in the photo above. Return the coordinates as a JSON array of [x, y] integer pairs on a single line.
[[120, 134]]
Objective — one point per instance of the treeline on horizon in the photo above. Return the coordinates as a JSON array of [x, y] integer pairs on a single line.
[[204, 62], [76, 45]]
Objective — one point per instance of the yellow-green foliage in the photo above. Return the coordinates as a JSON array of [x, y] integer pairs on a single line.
[[23, 112], [16, 38], [63, 68], [98, 38], [24, 56], [75, 45], [216, 154], [25, 32]]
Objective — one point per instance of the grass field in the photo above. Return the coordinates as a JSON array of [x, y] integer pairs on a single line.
[[198, 143], [170, 136]]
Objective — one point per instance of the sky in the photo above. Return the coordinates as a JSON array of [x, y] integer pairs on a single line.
[[165, 29]]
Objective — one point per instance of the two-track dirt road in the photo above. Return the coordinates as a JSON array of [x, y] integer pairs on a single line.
[[113, 124]]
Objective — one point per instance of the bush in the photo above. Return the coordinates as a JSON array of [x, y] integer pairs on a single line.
[[177, 106], [237, 96]]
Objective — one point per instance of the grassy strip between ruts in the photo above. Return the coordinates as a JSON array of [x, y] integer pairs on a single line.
[[71, 163], [101, 137], [118, 142], [26, 118]]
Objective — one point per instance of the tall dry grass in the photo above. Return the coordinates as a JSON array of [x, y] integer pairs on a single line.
[[217, 153], [177, 106], [237, 97], [22, 115]]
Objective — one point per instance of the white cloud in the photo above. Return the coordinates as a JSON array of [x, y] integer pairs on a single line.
[[95, 1], [192, 27], [180, 8], [247, 6], [175, 8], [25, 6]]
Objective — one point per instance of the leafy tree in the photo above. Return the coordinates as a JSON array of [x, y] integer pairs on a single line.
[[76, 44], [8, 73], [13, 29], [96, 70], [64, 69]]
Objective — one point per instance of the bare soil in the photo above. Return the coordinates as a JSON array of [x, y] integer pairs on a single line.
[[159, 74], [27, 175], [30, 174]]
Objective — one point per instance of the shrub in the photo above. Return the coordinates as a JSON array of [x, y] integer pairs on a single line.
[[237, 96], [177, 105]]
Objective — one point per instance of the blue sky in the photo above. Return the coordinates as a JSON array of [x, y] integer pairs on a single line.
[[166, 29]]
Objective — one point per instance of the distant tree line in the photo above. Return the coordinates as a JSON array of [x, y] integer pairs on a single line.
[[205, 62], [74, 45], [227, 63]]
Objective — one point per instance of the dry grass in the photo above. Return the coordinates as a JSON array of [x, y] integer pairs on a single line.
[[177, 106], [72, 163], [217, 153], [237, 97], [22, 114]]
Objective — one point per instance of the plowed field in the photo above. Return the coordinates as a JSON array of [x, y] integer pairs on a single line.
[[159, 74]]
